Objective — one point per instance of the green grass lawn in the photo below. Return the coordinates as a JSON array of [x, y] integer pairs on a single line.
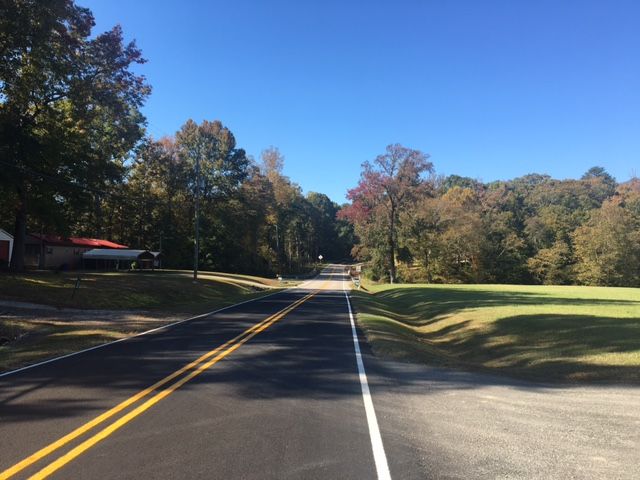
[[555, 333], [166, 290]]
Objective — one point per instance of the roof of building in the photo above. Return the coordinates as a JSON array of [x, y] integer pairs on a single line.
[[117, 254], [6, 235], [75, 241]]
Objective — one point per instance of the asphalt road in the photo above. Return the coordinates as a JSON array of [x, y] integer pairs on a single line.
[[286, 399]]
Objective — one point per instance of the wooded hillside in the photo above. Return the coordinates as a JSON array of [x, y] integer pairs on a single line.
[[532, 229]]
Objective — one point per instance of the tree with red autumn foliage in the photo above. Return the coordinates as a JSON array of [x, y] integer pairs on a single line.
[[387, 185]]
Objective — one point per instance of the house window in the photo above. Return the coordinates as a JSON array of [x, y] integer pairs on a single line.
[[49, 250]]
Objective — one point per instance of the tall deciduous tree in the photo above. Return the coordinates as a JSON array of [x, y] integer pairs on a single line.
[[69, 106], [607, 247], [387, 185], [223, 167], [444, 235]]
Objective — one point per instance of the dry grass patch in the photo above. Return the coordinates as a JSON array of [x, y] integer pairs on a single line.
[[116, 305], [167, 290]]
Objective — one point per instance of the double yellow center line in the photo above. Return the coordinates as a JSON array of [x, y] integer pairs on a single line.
[[191, 370]]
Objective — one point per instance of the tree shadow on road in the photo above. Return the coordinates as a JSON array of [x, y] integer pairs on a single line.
[[309, 354]]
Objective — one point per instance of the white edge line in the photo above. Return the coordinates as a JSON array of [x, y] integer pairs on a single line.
[[379, 456], [168, 325]]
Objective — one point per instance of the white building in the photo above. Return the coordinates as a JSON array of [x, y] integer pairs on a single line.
[[107, 258], [6, 247]]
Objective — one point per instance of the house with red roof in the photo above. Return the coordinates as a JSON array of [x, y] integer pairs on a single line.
[[53, 251]]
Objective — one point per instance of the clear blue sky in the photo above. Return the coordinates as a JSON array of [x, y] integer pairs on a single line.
[[491, 89]]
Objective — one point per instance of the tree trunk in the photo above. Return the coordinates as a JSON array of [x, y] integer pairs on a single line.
[[392, 247], [20, 231], [427, 265], [97, 212]]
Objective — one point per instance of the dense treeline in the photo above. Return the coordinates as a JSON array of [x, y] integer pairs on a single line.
[[74, 159], [533, 229], [252, 218], [69, 111]]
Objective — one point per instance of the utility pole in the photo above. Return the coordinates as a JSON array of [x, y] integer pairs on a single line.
[[278, 249], [196, 249]]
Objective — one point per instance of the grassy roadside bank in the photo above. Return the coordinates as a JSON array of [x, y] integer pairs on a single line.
[[167, 290], [550, 333], [109, 306]]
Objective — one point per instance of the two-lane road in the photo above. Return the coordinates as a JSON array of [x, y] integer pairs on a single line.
[[267, 389], [275, 388]]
